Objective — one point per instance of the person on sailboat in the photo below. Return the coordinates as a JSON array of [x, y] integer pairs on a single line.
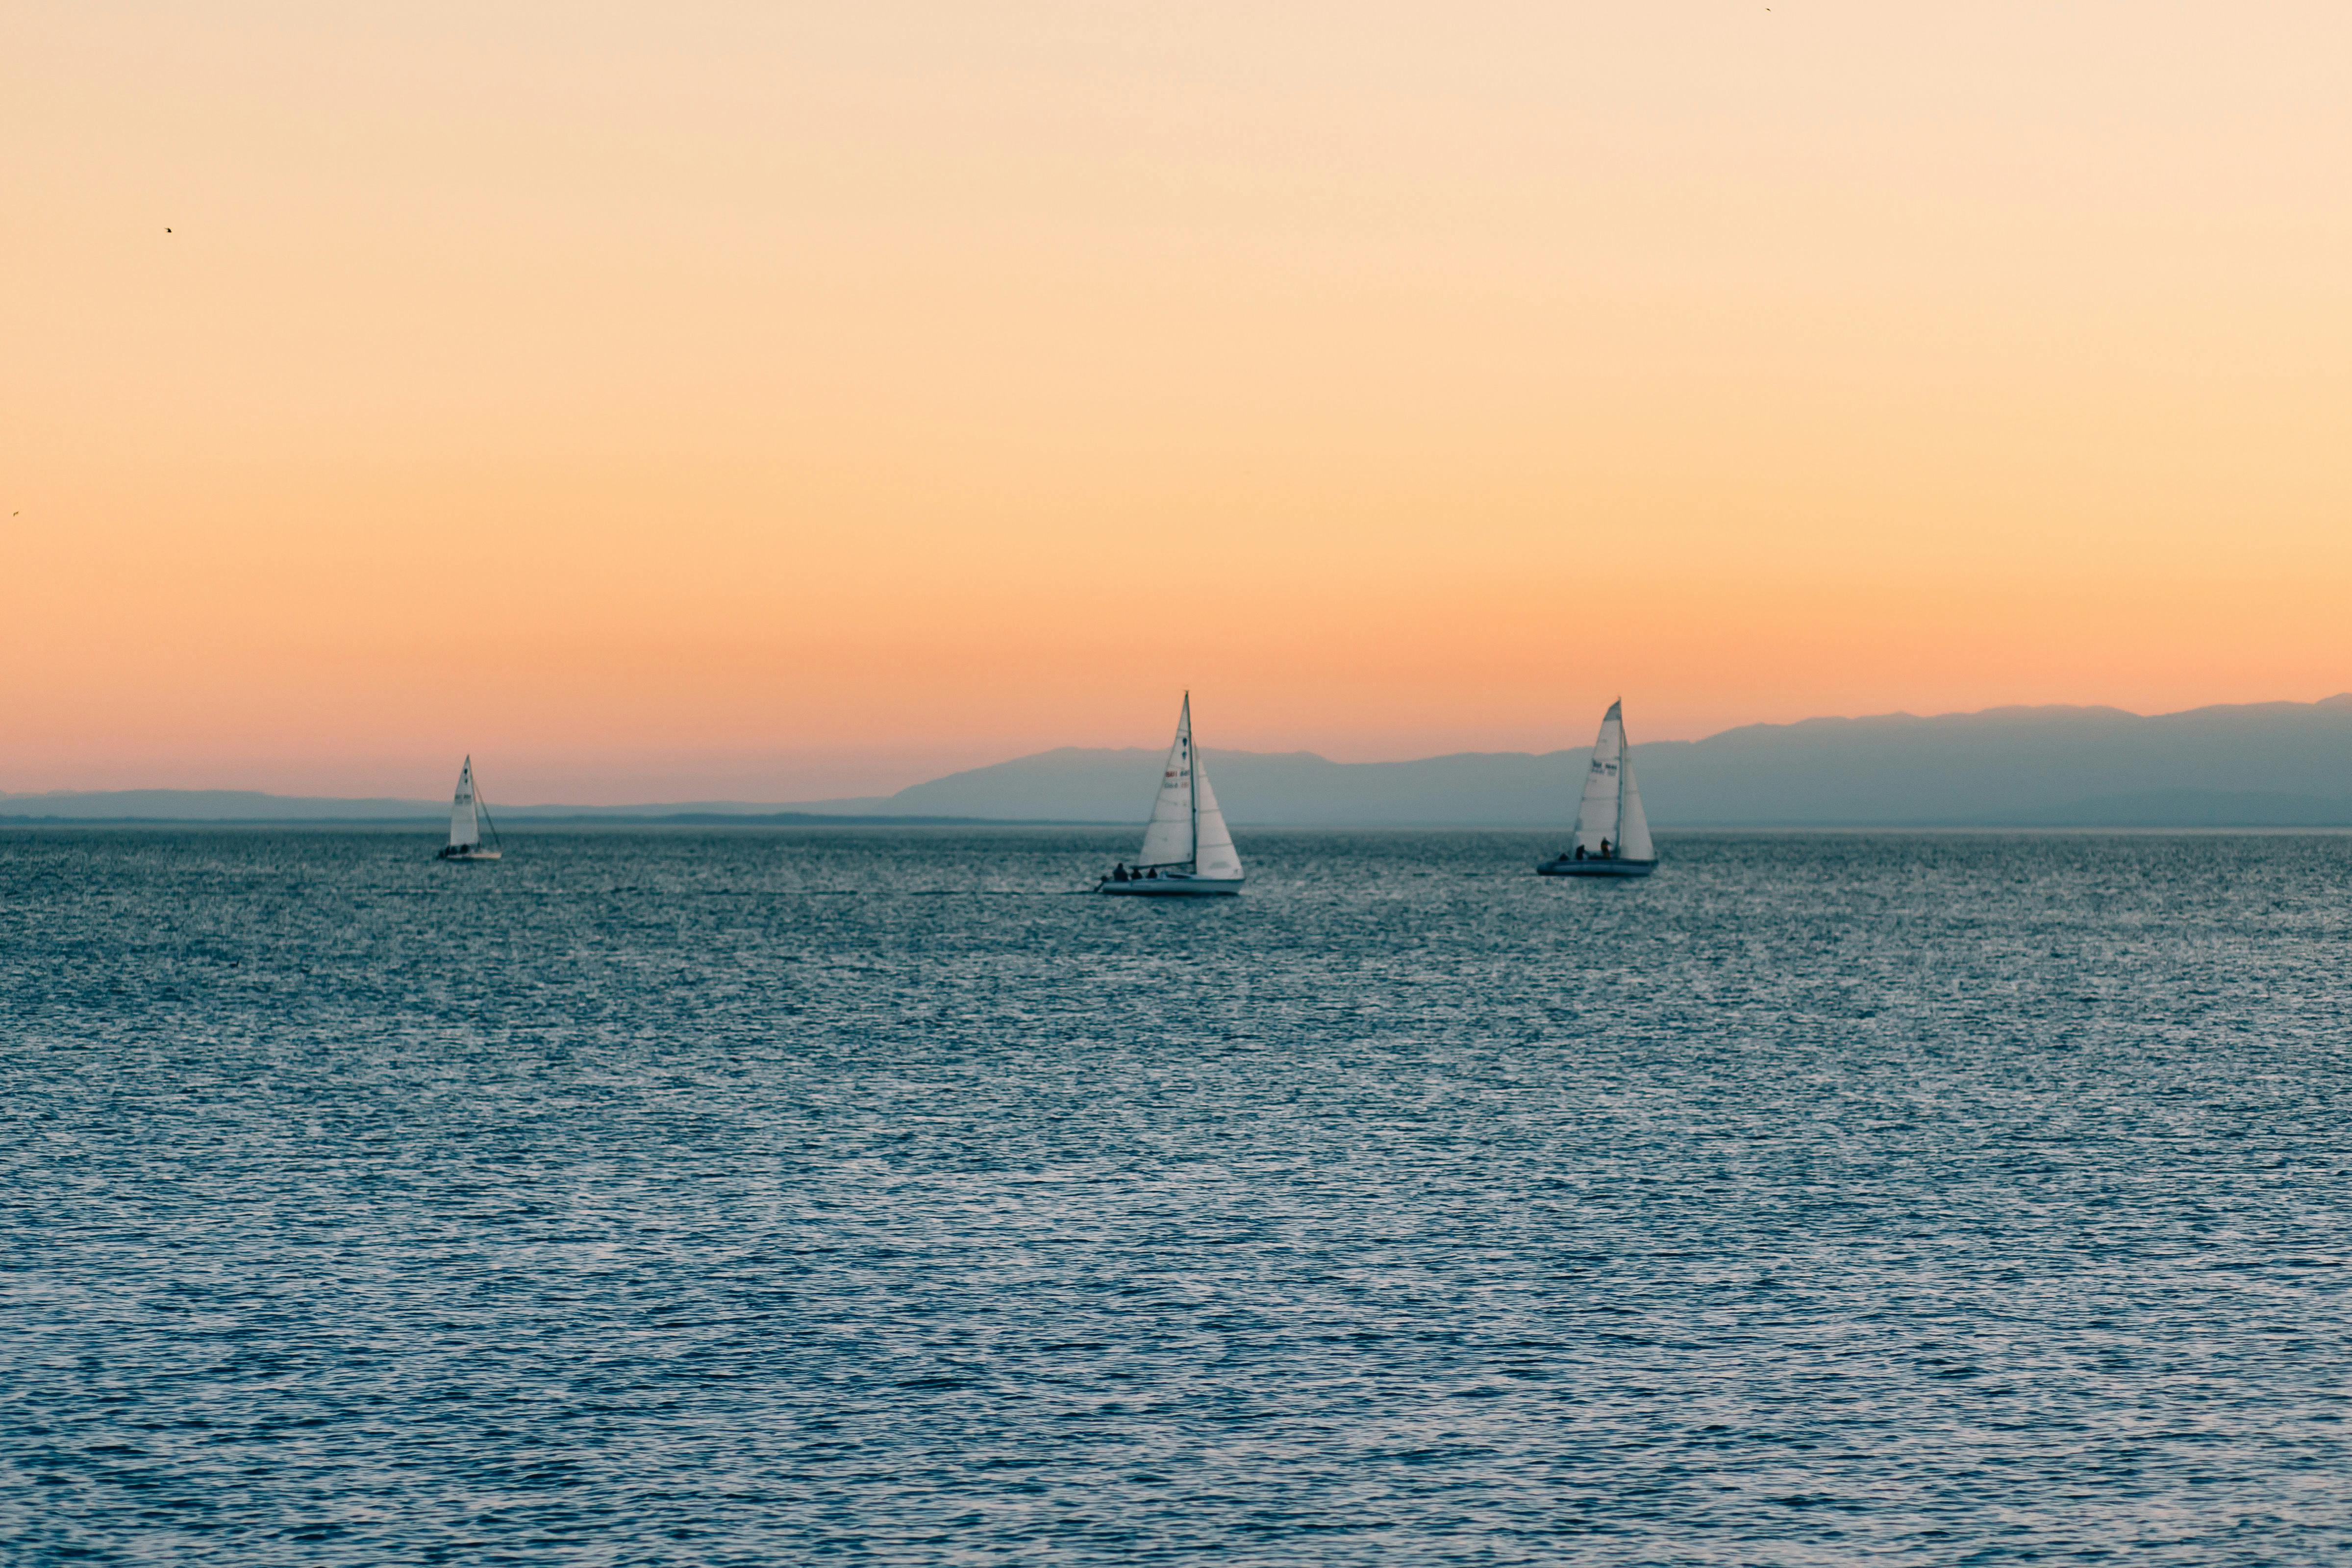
[[1604, 849], [1580, 851]]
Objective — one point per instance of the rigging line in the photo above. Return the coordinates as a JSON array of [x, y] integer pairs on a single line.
[[484, 807]]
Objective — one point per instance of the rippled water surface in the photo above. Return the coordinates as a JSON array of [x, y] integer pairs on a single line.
[[758, 1197]]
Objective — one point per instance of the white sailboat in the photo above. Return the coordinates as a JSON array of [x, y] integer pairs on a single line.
[[466, 815], [1187, 850], [1612, 835]]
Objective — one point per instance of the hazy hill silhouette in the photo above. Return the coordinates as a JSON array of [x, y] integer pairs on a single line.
[[2253, 764], [2267, 764]]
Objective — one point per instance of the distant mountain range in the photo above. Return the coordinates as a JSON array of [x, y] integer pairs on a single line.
[[2254, 764], [2268, 764]]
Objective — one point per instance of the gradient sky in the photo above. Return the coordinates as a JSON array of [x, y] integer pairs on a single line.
[[777, 401]]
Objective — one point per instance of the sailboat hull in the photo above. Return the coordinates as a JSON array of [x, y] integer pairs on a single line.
[[469, 854], [1568, 866], [1178, 886]]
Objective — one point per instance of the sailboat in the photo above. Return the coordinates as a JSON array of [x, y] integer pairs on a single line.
[[1187, 850], [1612, 835], [466, 815]]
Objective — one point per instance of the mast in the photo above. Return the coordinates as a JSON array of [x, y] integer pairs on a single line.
[[1617, 848], [1193, 777]]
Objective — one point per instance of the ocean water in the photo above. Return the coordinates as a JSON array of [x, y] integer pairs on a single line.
[[760, 1196]]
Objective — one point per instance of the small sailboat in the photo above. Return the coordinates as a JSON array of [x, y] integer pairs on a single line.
[[1612, 836], [1187, 850], [466, 815]]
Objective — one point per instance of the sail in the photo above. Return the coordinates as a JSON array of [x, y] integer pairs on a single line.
[[1596, 819], [1216, 856], [1168, 840], [465, 832], [1633, 843]]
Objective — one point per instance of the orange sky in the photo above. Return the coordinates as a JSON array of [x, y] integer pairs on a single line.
[[783, 401]]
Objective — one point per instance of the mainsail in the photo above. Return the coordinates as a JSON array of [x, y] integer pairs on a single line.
[[465, 829], [1596, 819], [1168, 840]]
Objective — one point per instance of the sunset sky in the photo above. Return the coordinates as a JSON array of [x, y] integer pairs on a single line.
[[775, 400]]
